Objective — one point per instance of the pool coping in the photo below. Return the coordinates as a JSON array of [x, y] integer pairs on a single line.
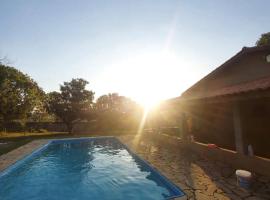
[[38, 149]]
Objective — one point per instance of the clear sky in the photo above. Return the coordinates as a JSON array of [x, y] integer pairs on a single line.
[[143, 49]]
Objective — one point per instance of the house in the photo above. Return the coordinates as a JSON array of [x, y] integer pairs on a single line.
[[231, 106]]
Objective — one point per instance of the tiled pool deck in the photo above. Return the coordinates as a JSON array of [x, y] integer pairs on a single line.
[[198, 177]]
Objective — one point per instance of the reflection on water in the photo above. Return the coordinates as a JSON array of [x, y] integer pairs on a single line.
[[84, 169]]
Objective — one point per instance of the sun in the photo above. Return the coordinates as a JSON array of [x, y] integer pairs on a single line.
[[152, 78], [148, 78], [147, 99]]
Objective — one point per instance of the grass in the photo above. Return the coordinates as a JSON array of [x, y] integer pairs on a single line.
[[6, 135]]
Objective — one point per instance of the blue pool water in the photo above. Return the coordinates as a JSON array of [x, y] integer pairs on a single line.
[[84, 169]]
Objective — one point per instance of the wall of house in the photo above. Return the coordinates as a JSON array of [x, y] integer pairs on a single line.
[[213, 123], [256, 125]]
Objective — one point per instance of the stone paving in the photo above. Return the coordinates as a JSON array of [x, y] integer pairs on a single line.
[[199, 177]]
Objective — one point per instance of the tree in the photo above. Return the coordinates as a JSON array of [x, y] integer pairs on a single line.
[[73, 103], [114, 112], [264, 40], [19, 95]]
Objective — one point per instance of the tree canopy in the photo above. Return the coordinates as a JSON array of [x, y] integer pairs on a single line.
[[114, 102], [72, 103], [264, 40], [20, 95], [116, 112]]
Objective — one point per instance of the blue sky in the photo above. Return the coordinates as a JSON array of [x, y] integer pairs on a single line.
[[138, 48]]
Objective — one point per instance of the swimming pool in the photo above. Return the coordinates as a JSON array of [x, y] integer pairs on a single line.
[[89, 168]]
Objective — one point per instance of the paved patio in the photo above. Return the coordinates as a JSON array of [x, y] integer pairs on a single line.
[[198, 177]]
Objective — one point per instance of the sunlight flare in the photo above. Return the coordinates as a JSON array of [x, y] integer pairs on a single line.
[[141, 127], [149, 77]]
